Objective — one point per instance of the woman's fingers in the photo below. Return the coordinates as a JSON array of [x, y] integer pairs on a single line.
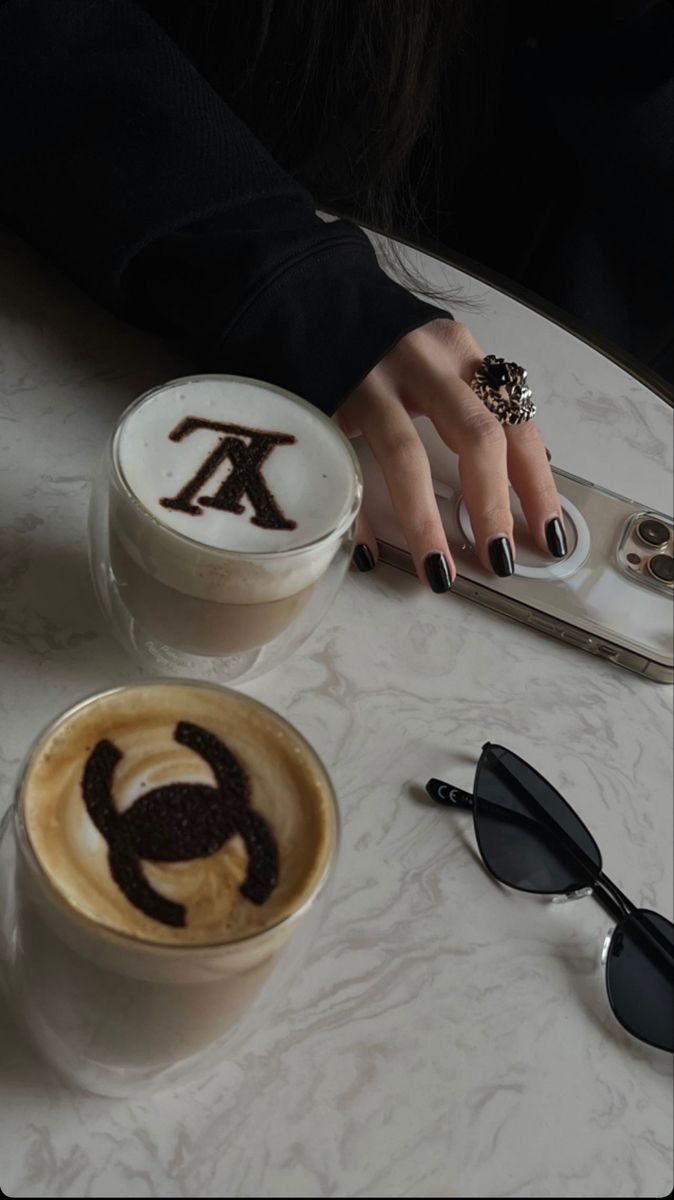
[[396, 445], [429, 371], [527, 458], [532, 479], [365, 554], [475, 435]]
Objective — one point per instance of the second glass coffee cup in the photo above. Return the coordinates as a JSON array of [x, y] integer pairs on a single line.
[[221, 525], [117, 993]]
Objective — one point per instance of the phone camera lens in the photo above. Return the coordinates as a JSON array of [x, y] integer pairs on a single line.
[[662, 567], [653, 532]]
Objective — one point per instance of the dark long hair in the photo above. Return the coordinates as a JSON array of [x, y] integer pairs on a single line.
[[371, 70], [348, 95], [365, 80]]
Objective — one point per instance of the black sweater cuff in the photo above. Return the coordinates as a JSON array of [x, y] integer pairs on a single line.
[[316, 327]]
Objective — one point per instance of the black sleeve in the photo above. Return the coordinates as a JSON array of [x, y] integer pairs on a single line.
[[122, 164]]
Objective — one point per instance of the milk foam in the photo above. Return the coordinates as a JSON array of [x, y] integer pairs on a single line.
[[288, 789], [312, 479]]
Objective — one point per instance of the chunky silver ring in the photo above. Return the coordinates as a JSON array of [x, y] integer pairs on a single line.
[[494, 378]]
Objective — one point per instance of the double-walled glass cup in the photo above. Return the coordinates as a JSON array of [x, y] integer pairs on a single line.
[[181, 606], [114, 1013]]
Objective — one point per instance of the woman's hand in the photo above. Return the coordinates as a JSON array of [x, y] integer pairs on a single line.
[[428, 374]]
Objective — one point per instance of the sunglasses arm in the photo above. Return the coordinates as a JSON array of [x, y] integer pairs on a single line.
[[447, 794]]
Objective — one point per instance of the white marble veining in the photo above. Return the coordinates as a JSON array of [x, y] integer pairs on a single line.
[[447, 1037]]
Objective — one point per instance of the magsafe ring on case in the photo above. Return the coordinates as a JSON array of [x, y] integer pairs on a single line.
[[532, 563]]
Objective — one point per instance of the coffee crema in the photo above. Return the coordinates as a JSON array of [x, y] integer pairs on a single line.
[[179, 814]]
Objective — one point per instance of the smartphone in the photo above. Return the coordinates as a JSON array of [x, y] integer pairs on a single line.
[[613, 593]]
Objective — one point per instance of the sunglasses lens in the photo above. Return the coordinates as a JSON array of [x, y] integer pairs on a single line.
[[528, 835], [640, 977]]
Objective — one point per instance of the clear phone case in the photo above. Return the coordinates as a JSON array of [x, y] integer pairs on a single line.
[[607, 596]]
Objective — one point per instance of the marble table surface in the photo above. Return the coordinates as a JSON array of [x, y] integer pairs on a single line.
[[446, 1037]]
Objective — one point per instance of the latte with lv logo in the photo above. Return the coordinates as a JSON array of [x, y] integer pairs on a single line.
[[229, 500]]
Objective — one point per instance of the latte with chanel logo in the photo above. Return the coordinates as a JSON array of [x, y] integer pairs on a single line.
[[230, 498], [169, 815], [176, 836]]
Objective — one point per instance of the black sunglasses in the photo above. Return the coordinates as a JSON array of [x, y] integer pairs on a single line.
[[532, 840]]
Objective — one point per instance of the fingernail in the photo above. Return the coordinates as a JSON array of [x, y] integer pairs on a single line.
[[437, 572], [363, 557], [548, 454], [501, 557], [555, 537]]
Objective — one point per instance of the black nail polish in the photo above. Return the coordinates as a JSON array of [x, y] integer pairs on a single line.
[[556, 537], [548, 454], [437, 572], [363, 557], [501, 557]]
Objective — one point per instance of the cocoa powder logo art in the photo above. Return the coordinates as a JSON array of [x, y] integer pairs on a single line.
[[247, 450], [179, 822]]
